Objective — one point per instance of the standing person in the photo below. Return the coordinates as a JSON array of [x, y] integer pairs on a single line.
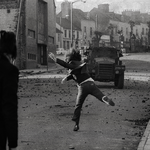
[[8, 91], [79, 73]]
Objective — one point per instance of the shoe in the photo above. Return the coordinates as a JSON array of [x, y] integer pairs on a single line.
[[76, 128], [73, 119], [108, 101]]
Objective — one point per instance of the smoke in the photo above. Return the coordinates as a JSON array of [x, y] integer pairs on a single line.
[[134, 5], [116, 6]]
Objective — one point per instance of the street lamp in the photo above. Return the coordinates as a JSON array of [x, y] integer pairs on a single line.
[[84, 1]]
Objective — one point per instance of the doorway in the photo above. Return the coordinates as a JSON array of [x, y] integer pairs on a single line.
[[42, 54]]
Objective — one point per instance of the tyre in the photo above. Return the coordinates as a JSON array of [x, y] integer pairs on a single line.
[[119, 81], [116, 82]]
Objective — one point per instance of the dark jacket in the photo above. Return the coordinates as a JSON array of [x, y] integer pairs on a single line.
[[9, 76], [78, 70]]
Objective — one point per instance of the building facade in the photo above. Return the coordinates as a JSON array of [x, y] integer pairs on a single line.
[[64, 25], [133, 38], [83, 26], [59, 36], [34, 23], [140, 34], [88, 28]]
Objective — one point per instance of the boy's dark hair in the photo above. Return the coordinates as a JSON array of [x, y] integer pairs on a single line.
[[8, 43], [73, 55]]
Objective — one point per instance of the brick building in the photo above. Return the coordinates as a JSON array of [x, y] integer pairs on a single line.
[[34, 22]]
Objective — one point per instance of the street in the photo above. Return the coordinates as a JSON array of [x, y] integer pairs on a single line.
[[46, 108]]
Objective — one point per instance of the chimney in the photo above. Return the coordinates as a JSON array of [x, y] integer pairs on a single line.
[[65, 9], [104, 8]]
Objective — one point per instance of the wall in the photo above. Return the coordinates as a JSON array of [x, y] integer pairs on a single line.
[[51, 26], [137, 27], [8, 15], [31, 26], [40, 17]]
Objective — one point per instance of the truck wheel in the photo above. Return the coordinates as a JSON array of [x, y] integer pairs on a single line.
[[116, 80], [121, 81]]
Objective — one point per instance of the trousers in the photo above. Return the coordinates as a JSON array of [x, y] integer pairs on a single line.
[[84, 90]]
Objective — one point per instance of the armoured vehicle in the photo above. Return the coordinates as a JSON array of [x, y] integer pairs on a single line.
[[105, 66]]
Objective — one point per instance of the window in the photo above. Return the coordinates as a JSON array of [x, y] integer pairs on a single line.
[[84, 29], [127, 31], [69, 33], [65, 33], [58, 37], [8, 11], [31, 33], [142, 31], [64, 44], [51, 39], [73, 36], [77, 34], [136, 32], [146, 31], [91, 31], [67, 44], [31, 56], [146, 40]]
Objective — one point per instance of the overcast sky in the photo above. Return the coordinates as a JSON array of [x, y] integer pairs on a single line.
[[116, 6]]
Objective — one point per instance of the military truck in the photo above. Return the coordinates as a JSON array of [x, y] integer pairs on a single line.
[[105, 66]]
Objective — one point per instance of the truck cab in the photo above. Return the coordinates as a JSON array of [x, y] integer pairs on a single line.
[[105, 66]]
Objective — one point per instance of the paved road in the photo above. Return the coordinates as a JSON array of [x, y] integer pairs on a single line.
[[46, 107]]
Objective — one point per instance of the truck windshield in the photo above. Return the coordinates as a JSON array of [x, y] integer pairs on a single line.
[[104, 52]]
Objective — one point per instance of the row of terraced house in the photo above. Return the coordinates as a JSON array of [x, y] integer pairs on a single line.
[[117, 27], [39, 29]]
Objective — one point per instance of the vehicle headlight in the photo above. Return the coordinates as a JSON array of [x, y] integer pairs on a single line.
[[117, 72]]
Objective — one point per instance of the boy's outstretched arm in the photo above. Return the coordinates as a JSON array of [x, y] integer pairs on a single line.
[[52, 56], [61, 62]]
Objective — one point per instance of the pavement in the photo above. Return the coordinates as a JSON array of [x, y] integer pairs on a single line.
[[56, 71], [145, 140]]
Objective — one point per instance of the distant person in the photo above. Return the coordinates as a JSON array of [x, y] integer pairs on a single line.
[[78, 71], [9, 75]]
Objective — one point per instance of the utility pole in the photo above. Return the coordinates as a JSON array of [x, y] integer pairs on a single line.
[[132, 24], [71, 13], [148, 23], [96, 25], [60, 35], [120, 39]]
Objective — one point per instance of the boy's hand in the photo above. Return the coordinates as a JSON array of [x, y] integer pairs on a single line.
[[52, 56]]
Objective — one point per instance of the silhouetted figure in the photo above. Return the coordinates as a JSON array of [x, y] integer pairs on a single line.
[[9, 76]]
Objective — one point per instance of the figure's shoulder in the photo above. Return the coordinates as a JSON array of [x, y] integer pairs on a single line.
[[10, 68]]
